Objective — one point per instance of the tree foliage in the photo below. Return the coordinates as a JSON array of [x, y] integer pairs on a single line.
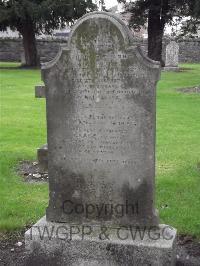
[[167, 9], [157, 14], [46, 15], [32, 17]]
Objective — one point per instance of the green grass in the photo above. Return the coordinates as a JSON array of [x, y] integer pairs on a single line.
[[22, 131], [178, 149]]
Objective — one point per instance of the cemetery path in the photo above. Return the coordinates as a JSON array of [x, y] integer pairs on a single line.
[[12, 253]]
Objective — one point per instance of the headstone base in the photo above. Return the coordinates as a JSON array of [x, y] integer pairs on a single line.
[[170, 68], [42, 156], [73, 245]]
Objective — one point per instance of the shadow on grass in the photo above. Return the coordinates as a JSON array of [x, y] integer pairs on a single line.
[[18, 68]]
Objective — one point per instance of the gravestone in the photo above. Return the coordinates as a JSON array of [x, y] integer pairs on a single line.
[[42, 157], [172, 56], [101, 112], [23, 59], [40, 91], [42, 152]]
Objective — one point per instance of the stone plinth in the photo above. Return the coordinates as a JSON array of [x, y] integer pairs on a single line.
[[173, 69], [86, 245]]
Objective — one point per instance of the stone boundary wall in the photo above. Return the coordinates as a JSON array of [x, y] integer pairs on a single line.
[[11, 49], [189, 50]]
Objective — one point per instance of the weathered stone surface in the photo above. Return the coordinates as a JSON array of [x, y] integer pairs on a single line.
[[100, 93], [172, 69], [68, 244], [40, 91], [42, 156], [172, 54]]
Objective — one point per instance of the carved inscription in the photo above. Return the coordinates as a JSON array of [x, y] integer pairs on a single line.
[[102, 131], [101, 122]]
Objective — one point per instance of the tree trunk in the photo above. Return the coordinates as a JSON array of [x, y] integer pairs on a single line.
[[155, 31], [29, 44]]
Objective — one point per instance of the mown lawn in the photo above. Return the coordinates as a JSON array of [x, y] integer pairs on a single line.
[[22, 131], [178, 149]]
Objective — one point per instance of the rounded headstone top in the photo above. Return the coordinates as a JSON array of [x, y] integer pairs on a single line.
[[99, 17], [101, 33]]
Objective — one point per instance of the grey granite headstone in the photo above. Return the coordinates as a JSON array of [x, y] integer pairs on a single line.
[[172, 55], [101, 125], [101, 114]]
